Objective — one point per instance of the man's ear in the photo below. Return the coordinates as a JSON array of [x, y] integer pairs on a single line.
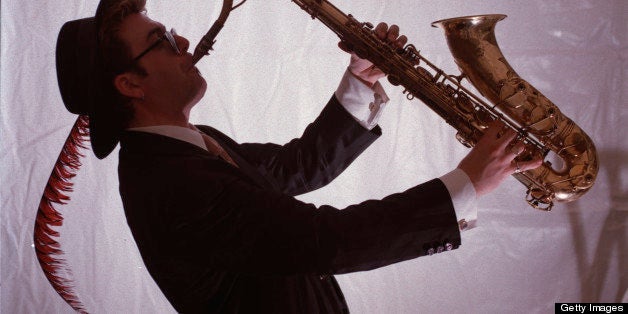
[[128, 85]]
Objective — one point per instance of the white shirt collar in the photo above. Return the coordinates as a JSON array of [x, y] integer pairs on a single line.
[[176, 132]]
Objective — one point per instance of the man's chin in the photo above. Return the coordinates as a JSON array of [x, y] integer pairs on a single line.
[[200, 92]]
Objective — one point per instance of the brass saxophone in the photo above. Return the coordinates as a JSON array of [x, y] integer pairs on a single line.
[[539, 123]]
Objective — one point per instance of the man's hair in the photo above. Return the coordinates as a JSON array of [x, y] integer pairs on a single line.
[[115, 52]]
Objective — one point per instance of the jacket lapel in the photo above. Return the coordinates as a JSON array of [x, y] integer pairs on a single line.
[[231, 147], [155, 144]]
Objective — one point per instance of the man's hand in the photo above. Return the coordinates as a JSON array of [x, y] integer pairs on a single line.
[[364, 69], [493, 158]]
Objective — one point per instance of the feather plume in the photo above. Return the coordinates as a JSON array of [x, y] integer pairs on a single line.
[[47, 248]]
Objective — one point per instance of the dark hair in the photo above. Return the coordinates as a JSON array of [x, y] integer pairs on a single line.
[[115, 52]]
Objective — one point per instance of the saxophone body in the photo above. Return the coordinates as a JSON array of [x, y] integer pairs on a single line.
[[540, 124]]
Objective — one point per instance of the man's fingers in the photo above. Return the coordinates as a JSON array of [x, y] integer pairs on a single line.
[[493, 128], [505, 137], [381, 30], [390, 35], [401, 41], [516, 147], [393, 33], [519, 166], [343, 46]]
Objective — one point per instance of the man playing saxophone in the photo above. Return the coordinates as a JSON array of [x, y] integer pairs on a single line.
[[216, 222]]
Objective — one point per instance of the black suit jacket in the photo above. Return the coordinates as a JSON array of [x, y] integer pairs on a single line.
[[219, 238]]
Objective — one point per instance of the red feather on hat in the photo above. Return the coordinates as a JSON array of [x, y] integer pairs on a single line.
[[47, 248]]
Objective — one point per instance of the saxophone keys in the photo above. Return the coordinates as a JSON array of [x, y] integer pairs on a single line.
[[463, 139], [540, 199], [368, 25]]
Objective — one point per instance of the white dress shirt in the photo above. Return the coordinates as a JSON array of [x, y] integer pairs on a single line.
[[354, 95], [365, 104]]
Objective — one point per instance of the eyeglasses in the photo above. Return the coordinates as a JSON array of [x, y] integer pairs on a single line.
[[168, 35]]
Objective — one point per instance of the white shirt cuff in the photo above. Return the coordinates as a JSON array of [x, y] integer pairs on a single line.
[[364, 103], [463, 196]]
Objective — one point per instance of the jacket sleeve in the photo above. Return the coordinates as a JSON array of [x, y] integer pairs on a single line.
[[223, 222], [326, 148]]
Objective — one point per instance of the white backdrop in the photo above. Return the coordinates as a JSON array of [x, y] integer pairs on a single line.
[[272, 72]]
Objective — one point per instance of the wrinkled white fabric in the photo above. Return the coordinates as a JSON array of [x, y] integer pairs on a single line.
[[272, 71]]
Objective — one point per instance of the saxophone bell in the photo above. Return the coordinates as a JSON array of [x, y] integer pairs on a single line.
[[570, 165]]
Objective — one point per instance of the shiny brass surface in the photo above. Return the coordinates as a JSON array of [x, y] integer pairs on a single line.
[[540, 124]]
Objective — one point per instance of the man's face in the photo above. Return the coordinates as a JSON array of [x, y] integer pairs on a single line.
[[172, 81]]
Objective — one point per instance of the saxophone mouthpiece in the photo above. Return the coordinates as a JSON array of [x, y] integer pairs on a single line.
[[202, 49], [196, 58]]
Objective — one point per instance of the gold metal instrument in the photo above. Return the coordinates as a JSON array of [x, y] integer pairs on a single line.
[[570, 167]]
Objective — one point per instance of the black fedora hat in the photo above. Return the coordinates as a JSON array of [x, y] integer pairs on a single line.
[[83, 83]]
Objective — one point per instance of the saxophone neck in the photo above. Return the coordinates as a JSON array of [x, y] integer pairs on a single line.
[[207, 42]]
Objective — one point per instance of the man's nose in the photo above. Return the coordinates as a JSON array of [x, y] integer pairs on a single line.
[[182, 43]]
